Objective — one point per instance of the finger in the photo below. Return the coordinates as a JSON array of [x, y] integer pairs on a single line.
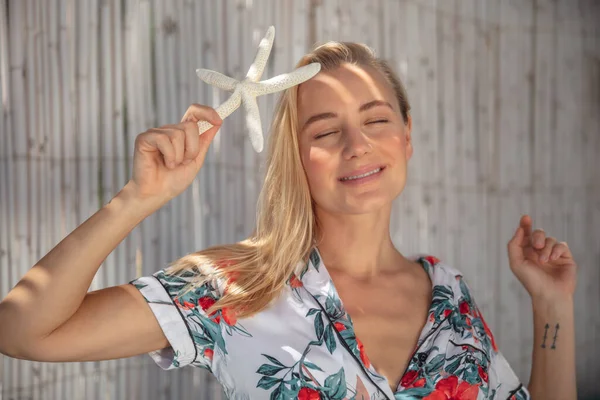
[[515, 248], [178, 139], [560, 250], [526, 224], [202, 113], [192, 141], [547, 250], [538, 239], [162, 143], [176, 135]]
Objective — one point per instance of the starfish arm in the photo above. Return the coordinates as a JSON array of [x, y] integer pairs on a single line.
[[284, 81], [253, 121], [224, 110], [217, 79], [262, 56]]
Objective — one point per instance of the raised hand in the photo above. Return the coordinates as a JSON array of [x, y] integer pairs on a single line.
[[167, 159], [543, 265]]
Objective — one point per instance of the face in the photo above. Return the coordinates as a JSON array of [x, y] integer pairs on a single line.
[[354, 143]]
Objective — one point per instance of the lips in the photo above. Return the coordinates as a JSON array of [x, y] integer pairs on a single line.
[[362, 172]]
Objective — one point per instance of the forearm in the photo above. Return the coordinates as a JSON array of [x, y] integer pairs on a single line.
[[53, 289], [553, 368]]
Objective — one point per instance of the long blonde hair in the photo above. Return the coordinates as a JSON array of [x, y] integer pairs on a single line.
[[258, 268]]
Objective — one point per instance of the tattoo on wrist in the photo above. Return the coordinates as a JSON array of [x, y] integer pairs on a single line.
[[556, 328]]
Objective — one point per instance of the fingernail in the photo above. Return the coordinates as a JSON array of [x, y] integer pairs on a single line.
[[543, 258], [171, 164]]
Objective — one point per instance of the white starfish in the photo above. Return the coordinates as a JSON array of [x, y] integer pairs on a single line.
[[245, 91]]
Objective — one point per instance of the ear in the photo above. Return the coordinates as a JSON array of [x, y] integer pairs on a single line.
[[408, 137]]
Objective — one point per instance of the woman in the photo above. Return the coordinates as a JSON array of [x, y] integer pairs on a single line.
[[265, 315]]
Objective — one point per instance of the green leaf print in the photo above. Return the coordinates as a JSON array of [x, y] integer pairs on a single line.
[[336, 385], [465, 290], [268, 370], [312, 311], [315, 259], [442, 292], [470, 374], [330, 339], [435, 364], [213, 331], [453, 366], [312, 366], [267, 382], [319, 325], [139, 286], [273, 360], [277, 394]]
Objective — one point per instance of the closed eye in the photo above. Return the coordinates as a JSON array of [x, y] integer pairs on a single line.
[[325, 134], [378, 121]]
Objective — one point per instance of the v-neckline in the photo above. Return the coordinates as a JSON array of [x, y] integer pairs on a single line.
[[324, 286]]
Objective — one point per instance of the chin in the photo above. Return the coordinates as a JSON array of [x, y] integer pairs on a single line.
[[367, 204]]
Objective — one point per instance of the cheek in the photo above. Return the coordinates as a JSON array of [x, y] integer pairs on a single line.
[[320, 168]]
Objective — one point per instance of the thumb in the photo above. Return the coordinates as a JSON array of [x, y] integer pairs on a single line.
[[515, 245]]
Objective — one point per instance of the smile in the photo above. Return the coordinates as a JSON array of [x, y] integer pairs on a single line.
[[352, 178]]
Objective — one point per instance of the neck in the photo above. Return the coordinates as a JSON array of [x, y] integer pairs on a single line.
[[358, 245]]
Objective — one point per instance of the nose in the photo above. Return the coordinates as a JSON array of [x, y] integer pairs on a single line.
[[356, 143]]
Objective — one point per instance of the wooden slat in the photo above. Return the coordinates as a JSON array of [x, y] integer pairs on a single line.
[[504, 104]]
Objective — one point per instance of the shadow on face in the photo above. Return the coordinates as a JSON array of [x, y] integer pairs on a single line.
[[354, 143]]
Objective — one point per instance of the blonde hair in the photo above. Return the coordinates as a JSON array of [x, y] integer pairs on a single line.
[[258, 268]]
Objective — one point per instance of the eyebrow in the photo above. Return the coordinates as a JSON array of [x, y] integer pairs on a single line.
[[329, 115]]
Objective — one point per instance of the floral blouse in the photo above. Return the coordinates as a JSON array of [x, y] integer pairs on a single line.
[[303, 346]]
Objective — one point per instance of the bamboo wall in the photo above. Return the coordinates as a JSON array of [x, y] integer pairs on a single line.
[[505, 97]]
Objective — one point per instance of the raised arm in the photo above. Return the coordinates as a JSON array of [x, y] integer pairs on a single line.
[[547, 270], [50, 316]]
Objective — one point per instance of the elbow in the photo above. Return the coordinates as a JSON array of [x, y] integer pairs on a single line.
[[21, 349], [11, 343]]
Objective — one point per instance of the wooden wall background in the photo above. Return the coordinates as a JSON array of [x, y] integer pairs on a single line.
[[506, 107]]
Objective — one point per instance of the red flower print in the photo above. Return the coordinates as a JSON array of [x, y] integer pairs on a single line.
[[468, 321], [217, 319], [295, 282], [339, 326], [408, 378], [431, 317], [447, 312], [208, 353], [449, 389], [186, 304], [482, 374], [308, 394], [432, 260], [206, 302], [229, 316], [463, 307], [363, 353], [419, 383]]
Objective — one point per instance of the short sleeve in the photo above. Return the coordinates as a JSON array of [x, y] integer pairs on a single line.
[[182, 317]]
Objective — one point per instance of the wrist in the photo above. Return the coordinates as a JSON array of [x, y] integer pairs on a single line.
[[558, 304], [135, 205]]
